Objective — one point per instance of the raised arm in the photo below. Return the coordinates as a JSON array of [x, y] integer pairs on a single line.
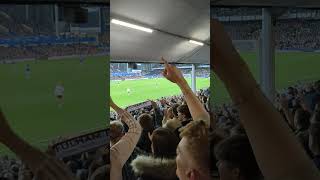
[[157, 114], [197, 110], [122, 150], [278, 153], [42, 165]]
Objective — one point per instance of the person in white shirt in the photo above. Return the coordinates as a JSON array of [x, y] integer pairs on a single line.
[[27, 71], [59, 93], [82, 58]]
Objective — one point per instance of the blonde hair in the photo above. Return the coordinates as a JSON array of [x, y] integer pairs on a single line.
[[196, 133]]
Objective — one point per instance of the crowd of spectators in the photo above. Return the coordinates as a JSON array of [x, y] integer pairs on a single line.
[[253, 11], [300, 108], [144, 143], [156, 73], [298, 33], [251, 139], [89, 165], [131, 77], [13, 20], [243, 11], [16, 53], [289, 34], [255, 138], [13, 24]]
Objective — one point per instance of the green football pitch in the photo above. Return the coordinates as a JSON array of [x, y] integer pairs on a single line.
[[32, 110], [144, 89], [31, 106], [291, 68]]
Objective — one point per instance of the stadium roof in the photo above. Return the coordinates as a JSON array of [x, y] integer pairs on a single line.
[[284, 3], [174, 24]]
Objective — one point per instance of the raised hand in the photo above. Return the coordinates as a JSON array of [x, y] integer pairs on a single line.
[[172, 73], [154, 104], [167, 114]]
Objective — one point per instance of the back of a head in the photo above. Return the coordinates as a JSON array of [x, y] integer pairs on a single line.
[[183, 109], [196, 134], [175, 109], [146, 122], [302, 119], [116, 130], [236, 151], [164, 143]]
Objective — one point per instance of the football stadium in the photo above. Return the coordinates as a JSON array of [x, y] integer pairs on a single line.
[[53, 61], [147, 83], [160, 80], [274, 88], [297, 45]]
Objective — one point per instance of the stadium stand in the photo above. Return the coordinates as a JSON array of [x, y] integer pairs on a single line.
[[82, 166], [152, 155], [29, 52], [120, 73], [284, 126], [299, 107], [290, 34], [30, 34], [291, 31], [251, 131], [23, 38]]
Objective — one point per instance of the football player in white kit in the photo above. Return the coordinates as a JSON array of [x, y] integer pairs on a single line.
[[27, 71], [82, 58], [59, 93], [128, 91]]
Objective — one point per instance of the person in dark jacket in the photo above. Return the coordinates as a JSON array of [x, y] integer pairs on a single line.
[[127, 172], [146, 123], [161, 164]]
